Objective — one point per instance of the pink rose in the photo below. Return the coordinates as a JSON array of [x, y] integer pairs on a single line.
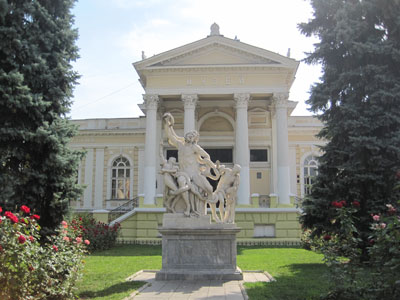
[[87, 242], [65, 238], [78, 240], [64, 224], [376, 217]]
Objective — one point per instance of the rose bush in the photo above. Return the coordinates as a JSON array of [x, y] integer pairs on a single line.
[[377, 278], [101, 235], [31, 270]]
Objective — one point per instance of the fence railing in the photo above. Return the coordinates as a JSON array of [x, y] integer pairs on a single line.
[[123, 209]]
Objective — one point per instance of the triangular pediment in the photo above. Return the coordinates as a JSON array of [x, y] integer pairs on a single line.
[[215, 54], [215, 51]]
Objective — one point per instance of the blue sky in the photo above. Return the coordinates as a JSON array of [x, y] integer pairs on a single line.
[[112, 34]]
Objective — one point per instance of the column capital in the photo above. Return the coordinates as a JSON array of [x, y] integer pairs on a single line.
[[151, 101], [281, 100], [190, 100], [242, 100]]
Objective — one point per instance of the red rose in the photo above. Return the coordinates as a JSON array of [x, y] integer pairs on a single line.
[[1, 209], [1, 248], [55, 248], [337, 204], [25, 209], [343, 203], [11, 216], [30, 268], [356, 204], [327, 237], [31, 238], [36, 217], [21, 239]]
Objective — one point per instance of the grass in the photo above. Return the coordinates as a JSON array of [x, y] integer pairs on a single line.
[[299, 273], [105, 272]]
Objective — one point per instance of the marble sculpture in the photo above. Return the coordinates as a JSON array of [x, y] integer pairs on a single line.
[[186, 180]]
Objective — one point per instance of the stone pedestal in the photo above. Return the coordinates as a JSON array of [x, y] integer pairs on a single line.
[[196, 249]]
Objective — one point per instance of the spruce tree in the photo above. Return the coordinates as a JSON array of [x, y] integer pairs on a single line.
[[358, 100], [37, 46]]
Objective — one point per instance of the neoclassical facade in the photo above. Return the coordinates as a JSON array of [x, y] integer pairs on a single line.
[[237, 97]]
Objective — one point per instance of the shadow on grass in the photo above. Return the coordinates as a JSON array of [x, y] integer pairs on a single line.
[[306, 282], [114, 289], [130, 250], [241, 248]]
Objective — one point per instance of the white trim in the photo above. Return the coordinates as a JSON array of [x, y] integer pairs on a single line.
[[87, 194], [302, 159], [216, 90], [109, 168], [99, 179]]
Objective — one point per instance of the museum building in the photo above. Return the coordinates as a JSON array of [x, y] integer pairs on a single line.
[[237, 97]]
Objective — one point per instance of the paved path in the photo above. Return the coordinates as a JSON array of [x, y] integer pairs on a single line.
[[179, 290]]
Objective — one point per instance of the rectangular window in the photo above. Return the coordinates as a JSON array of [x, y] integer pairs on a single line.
[[172, 153], [223, 155], [259, 175], [264, 230], [259, 155]]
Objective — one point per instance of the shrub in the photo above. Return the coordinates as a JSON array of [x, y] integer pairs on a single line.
[[31, 270], [354, 278], [101, 235]]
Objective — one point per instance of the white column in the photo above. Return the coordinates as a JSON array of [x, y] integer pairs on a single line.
[[88, 193], [99, 179], [141, 171], [189, 117], [150, 156], [282, 148], [242, 147]]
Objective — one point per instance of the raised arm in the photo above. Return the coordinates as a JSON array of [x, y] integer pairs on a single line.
[[173, 138]]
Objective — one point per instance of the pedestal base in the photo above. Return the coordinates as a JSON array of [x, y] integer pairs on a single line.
[[195, 249], [199, 275]]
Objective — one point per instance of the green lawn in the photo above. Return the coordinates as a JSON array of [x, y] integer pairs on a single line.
[[299, 273]]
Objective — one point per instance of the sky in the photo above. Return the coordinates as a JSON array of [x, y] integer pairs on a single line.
[[113, 34]]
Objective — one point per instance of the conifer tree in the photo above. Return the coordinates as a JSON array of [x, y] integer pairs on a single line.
[[37, 46], [358, 100]]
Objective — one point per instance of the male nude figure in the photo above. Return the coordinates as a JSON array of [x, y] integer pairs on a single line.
[[191, 156]]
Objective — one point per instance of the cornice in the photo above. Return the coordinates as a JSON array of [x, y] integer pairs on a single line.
[[217, 68], [111, 133]]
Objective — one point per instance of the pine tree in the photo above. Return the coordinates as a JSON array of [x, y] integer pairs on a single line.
[[37, 46], [358, 100]]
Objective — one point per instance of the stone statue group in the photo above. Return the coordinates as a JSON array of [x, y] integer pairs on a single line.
[[186, 185]]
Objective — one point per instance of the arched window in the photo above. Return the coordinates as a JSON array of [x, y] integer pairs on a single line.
[[120, 178], [310, 170]]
